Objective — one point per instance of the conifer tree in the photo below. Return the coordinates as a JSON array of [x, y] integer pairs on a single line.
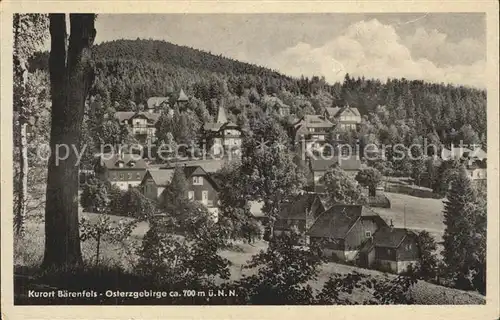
[[460, 215]]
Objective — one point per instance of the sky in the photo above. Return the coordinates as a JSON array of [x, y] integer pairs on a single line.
[[437, 47]]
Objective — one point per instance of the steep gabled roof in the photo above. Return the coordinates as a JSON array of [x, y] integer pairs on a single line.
[[332, 111], [337, 221], [182, 97], [388, 237], [161, 177], [297, 208], [221, 114], [190, 171], [338, 111], [352, 109]]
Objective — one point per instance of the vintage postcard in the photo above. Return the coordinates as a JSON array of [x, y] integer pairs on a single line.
[[263, 155]]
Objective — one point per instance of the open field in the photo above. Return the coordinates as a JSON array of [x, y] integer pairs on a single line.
[[421, 213]]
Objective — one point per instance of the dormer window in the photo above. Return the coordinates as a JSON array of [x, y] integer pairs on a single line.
[[119, 164], [131, 164]]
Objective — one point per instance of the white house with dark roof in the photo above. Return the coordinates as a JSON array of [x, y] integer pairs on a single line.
[[122, 170], [347, 117]]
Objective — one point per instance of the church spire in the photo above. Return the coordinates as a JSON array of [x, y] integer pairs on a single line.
[[221, 115]]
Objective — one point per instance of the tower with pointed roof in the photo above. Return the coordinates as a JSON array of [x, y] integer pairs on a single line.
[[222, 133], [221, 114]]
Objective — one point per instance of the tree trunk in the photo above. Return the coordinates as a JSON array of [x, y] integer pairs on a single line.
[[71, 75], [372, 190], [21, 71], [23, 180]]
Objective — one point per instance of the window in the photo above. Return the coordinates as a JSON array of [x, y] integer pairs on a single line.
[[190, 195], [198, 181], [138, 174], [129, 175], [122, 176], [368, 234]]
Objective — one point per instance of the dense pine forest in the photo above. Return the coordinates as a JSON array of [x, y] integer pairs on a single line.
[[128, 72]]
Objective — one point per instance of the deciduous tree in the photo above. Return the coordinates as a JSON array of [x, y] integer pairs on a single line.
[[71, 76]]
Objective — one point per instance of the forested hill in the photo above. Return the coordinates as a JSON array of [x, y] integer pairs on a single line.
[[128, 72], [168, 53]]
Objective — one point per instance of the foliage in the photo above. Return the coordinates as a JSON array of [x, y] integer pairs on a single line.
[[464, 239], [268, 170], [446, 172], [175, 194], [341, 188], [94, 197], [427, 265], [282, 274], [188, 258], [103, 230], [136, 205], [30, 95], [370, 178], [235, 215]]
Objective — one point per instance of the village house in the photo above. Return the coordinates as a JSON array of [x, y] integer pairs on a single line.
[[201, 187], [313, 130], [141, 124], [299, 215], [343, 229], [122, 170], [390, 249], [222, 137], [347, 118], [351, 165]]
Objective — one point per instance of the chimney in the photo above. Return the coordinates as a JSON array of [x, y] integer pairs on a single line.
[[391, 225]]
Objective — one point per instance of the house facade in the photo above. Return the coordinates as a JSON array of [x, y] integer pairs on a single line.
[[141, 124], [312, 130], [299, 215], [201, 187], [122, 170], [343, 229], [391, 250], [223, 137], [346, 117]]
